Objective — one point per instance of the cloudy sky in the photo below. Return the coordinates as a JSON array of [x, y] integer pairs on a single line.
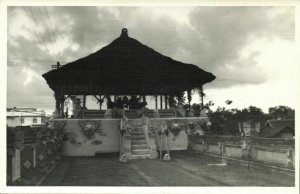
[[251, 50]]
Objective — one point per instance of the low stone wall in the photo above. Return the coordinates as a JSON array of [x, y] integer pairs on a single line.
[[87, 137], [274, 151], [31, 153]]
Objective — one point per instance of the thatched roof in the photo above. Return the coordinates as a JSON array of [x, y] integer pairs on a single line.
[[126, 67]]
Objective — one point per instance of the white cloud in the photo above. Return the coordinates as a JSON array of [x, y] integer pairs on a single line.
[[277, 61], [22, 24], [249, 49], [30, 75], [74, 47], [61, 43]]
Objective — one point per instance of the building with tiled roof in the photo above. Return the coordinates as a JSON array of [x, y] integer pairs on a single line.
[[281, 128]]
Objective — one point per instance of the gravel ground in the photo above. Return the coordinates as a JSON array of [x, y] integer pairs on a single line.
[[182, 170]]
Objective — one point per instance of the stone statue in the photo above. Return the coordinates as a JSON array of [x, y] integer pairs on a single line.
[[108, 113], [181, 110], [77, 108]]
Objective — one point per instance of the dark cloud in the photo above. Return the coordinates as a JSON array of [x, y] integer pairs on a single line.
[[212, 39], [162, 38], [89, 27], [224, 31]]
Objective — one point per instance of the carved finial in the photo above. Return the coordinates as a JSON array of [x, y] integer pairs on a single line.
[[124, 32]]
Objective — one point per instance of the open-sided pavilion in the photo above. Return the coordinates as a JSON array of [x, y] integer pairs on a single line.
[[126, 67]]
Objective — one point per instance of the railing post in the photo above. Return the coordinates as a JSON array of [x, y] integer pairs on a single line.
[[205, 146], [16, 165], [289, 158], [125, 141], [34, 157], [121, 137], [221, 147], [145, 129]]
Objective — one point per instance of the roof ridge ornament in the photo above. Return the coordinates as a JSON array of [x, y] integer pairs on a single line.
[[124, 33]]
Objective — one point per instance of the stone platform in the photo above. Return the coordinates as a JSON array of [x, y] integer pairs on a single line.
[[183, 170]]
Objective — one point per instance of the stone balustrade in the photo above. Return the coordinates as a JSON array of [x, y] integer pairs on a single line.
[[273, 151], [31, 152]]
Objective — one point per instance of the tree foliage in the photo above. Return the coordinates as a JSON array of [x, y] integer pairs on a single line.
[[283, 112], [225, 121]]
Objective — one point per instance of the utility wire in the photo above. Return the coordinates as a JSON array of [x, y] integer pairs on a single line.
[[52, 29], [33, 17], [48, 34], [38, 40]]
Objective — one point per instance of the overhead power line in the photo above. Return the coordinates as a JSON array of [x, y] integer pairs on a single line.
[[51, 26], [38, 40], [47, 31], [52, 29], [44, 43], [46, 28]]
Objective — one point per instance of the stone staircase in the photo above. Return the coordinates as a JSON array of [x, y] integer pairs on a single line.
[[139, 147], [131, 114]]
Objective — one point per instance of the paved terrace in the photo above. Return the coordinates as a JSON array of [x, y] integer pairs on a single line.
[[183, 170]]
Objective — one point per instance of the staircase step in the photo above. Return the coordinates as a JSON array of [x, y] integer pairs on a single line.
[[135, 157], [138, 142], [131, 115], [139, 147], [137, 129], [140, 152], [140, 137], [137, 132]]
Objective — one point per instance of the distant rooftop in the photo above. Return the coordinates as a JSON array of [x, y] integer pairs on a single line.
[[24, 114], [274, 127], [281, 123], [24, 111]]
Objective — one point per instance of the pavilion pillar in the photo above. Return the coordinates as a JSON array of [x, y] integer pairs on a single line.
[[57, 101], [62, 105], [201, 95], [84, 101], [166, 102], [155, 101], [100, 102], [57, 105], [161, 102], [189, 98], [108, 101]]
